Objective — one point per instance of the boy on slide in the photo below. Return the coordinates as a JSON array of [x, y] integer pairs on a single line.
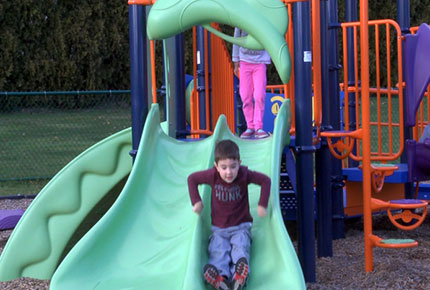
[[230, 241]]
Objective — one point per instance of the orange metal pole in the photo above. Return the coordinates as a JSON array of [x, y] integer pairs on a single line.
[[367, 212], [428, 103], [378, 89], [400, 91], [141, 2], [316, 59], [153, 83], [289, 88], [292, 1], [206, 61], [356, 78], [194, 102], [389, 105], [345, 81]]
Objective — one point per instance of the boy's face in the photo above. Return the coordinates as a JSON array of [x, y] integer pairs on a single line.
[[228, 169]]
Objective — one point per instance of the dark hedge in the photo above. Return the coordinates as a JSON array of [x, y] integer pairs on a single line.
[[63, 45], [83, 45]]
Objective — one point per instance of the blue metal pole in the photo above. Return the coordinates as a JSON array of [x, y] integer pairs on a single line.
[[138, 69], [323, 166], [176, 82], [180, 93], [304, 148], [403, 15], [351, 15], [201, 76], [403, 18], [337, 180]]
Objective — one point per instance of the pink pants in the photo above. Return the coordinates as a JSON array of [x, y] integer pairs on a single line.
[[252, 90]]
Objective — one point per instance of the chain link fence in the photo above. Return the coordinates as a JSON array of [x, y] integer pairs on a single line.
[[40, 132]]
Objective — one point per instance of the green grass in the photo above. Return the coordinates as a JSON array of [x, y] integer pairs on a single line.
[[36, 144], [21, 187]]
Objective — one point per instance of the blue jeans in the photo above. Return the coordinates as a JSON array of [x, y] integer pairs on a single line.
[[227, 245]]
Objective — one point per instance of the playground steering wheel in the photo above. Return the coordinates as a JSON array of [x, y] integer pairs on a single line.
[[406, 219], [343, 148]]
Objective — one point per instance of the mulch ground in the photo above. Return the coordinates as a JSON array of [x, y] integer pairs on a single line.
[[392, 268]]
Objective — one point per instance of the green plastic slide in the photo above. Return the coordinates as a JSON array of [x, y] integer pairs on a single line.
[[266, 22], [66, 208], [151, 239]]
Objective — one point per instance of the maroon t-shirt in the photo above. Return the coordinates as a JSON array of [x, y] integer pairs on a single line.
[[229, 201]]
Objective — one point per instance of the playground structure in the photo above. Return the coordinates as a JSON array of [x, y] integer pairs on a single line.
[[367, 187]]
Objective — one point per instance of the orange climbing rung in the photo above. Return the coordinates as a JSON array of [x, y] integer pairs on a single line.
[[378, 242], [343, 149], [141, 2], [378, 174], [377, 204]]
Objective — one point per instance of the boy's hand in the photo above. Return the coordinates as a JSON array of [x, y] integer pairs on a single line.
[[197, 207], [261, 211]]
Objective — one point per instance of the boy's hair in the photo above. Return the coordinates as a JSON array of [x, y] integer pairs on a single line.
[[226, 149]]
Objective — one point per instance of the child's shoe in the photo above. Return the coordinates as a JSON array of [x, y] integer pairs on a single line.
[[213, 278], [260, 134], [247, 134], [240, 274]]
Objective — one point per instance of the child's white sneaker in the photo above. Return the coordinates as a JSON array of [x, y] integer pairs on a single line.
[[240, 274], [213, 278]]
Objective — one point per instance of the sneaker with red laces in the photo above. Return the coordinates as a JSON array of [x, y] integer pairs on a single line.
[[213, 278], [260, 134], [247, 134], [240, 274]]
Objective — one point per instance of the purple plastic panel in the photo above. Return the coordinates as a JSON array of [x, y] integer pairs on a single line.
[[416, 63], [9, 218], [418, 156]]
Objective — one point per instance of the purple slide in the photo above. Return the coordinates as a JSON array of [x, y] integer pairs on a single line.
[[9, 218]]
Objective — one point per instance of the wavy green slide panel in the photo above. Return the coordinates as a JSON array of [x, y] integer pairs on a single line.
[[266, 22], [151, 239], [61, 213]]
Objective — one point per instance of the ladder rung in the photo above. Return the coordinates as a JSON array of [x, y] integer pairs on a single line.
[[397, 241]]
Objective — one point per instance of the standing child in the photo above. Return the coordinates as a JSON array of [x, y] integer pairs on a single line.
[[252, 85], [230, 242]]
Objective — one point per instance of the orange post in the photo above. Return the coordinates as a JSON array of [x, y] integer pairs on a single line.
[[206, 62], [194, 102], [289, 88], [222, 101], [316, 60], [367, 217], [153, 83]]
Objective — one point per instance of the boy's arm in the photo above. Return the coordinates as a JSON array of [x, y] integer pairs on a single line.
[[264, 182], [194, 180]]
